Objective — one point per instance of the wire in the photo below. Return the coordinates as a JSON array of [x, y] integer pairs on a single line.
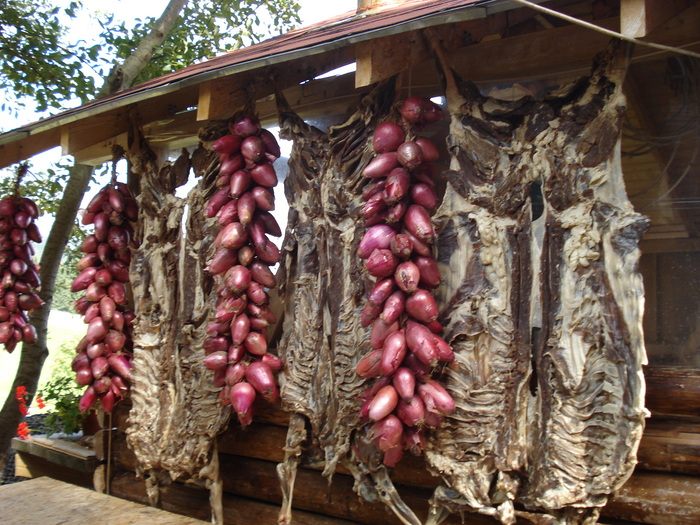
[[609, 32]]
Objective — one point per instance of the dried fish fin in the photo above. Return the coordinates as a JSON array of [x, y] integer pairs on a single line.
[[287, 470], [322, 338]]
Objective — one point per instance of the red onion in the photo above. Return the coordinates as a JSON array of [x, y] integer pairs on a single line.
[[418, 223], [383, 403], [242, 396], [412, 110], [409, 155], [411, 412], [368, 366], [423, 195], [259, 375], [227, 144], [429, 149], [393, 352], [421, 306], [216, 360], [407, 276], [398, 183], [380, 331], [381, 291], [264, 174], [88, 399], [387, 433], [435, 395], [381, 263], [387, 137], [245, 126], [377, 237], [393, 307], [404, 381], [381, 165]]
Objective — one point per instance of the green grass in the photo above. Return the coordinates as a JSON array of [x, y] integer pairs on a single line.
[[64, 328]]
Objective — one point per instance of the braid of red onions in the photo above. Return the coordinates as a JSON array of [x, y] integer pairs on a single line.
[[236, 348], [104, 355], [401, 310]]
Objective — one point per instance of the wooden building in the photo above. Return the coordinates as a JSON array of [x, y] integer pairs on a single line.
[[518, 56]]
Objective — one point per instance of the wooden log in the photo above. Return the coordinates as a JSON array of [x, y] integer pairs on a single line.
[[658, 499], [194, 501], [252, 478], [670, 446], [261, 441], [672, 391]]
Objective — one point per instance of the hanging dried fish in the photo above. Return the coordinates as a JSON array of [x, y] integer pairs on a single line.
[[323, 286], [563, 442], [176, 413]]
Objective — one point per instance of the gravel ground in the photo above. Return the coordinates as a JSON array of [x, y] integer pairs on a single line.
[[36, 426]]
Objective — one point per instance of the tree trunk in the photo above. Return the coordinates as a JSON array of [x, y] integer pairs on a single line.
[[33, 356]]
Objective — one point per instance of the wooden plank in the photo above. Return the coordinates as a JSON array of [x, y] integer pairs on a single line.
[[80, 135], [31, 466], [638, 18], [258, 479], [52, 502], [267, 442], [673, 391], [61, 454], [29, 146]]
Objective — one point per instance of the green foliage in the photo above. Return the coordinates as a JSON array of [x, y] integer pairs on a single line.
[[62, 296], [209, 29], [36, 62], [63, 394]]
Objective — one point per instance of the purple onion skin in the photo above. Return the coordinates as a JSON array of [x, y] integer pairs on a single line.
[[381, 263]]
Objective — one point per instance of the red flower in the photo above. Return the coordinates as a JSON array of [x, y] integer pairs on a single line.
[[20, 392], [23, 430], [23, 409], [40, 401]]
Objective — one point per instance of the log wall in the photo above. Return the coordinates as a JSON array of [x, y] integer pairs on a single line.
[[665, 488]]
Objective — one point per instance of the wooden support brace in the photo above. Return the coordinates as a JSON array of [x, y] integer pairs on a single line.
[[639, 17]]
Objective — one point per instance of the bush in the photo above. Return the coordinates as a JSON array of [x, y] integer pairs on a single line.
[[64, 394]]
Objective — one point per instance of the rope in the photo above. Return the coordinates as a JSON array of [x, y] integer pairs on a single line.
[[109, 456], [608, 32]]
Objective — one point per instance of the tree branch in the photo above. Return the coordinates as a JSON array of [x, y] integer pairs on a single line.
[[122, 76]]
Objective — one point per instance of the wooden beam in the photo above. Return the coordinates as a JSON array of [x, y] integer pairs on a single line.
[[222, 97], [638, 18], [29, 146], [670, 446], [104, 127]]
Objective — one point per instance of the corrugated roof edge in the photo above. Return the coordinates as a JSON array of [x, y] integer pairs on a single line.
[[345, 29]]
